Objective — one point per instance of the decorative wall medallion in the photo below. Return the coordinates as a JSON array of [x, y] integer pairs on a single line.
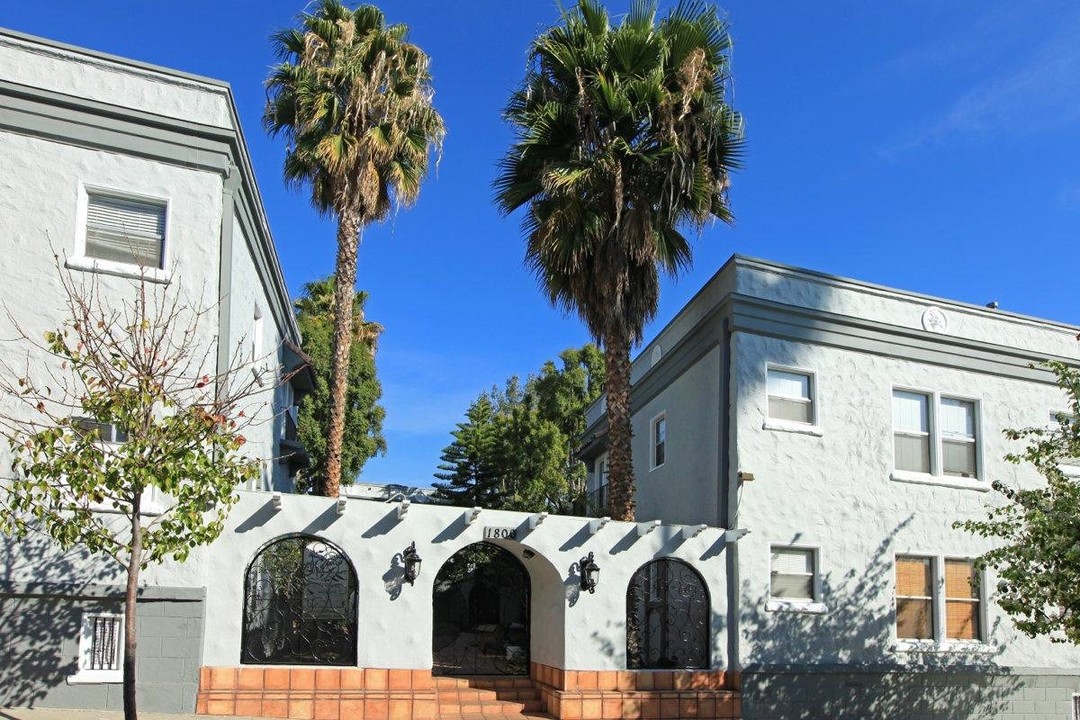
[[934, 320]]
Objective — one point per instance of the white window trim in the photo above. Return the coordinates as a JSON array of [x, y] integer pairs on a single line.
[[811, 428], [936, 476], [662, 415], [85, 676], [80, 261], [813, 607], [1068, 470], [941, 644]]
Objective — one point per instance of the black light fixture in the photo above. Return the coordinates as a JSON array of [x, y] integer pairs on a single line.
[[412, 563], [590, 573]]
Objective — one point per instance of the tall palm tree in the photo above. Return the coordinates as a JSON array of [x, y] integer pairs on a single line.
[[353, 98], [624, 138]]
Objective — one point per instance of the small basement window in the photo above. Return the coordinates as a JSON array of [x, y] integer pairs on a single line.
[[101, 649]]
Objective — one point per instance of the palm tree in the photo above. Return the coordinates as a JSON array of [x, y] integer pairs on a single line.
[[624, 137], [353, 98]]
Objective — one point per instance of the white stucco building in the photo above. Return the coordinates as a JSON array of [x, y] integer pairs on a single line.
[[110, 165], [847, 426]]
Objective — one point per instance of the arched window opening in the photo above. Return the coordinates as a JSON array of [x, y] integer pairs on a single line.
[[300, 605], [667, 617]]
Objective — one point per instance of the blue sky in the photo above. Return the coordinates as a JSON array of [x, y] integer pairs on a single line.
[[927, 145]]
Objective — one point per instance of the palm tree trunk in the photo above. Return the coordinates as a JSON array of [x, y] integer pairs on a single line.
[[130, 713], [348, 242], [620, 462]]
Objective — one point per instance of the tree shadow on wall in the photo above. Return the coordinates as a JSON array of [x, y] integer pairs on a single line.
[[39, 629], [842, 664]]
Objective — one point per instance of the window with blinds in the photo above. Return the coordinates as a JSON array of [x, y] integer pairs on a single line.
[[125, 230], [792, 574], [911, 431], [791, 396], [962, 601], [935, 435], [914, 598], [958, 452]]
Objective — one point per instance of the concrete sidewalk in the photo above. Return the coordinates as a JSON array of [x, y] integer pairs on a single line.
[[56, 714]]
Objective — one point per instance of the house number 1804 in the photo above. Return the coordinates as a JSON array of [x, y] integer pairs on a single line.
[[500, 533]]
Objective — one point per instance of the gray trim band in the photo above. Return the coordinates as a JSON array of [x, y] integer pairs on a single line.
[[95, 591], [80, 122]]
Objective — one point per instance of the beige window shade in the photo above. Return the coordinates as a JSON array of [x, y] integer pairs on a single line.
[[962, 601], [914, 598]]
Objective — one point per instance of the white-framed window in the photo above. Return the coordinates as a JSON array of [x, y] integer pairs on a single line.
[[257, 329], [794, 579], [107, 432], [1062, 421], [790, 396], [101, 649], [658, 439], [936, 439], [121, 233], [939, 602]]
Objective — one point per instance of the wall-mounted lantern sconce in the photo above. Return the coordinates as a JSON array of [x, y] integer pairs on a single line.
[[342, 503], [471, 515], [275, 500], [590, 573], [644, 528], [412, 563], [535, 520], [403, 509]]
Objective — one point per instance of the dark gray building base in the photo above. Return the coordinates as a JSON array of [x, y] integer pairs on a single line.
[[915, 694], [39, 646]]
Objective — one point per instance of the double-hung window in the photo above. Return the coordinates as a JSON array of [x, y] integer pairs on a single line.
[[934, 435], [938, 600], [658, 434], [794, 580], [791, 397]]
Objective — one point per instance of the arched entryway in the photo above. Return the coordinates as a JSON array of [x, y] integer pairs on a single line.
[[667, 617], [480, 607]]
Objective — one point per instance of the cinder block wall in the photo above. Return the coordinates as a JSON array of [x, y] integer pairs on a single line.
[[39, 646], [909, 693]]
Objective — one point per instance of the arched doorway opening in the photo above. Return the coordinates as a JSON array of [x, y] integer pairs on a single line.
[[667, 617], [480, 608], [300, 595]]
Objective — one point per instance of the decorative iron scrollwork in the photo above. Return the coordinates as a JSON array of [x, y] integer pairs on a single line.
[[300, 605], [667, 617], [481, 614]]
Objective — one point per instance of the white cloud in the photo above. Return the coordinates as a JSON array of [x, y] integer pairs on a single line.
[[1036, 92]]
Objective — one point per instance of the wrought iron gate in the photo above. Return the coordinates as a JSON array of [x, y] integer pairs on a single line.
[[300, 605], [481, 614], [667, 617]]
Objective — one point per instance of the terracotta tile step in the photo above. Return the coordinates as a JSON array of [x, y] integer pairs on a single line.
[[487, 682], [475, 695], [509, 716], [490, 708]]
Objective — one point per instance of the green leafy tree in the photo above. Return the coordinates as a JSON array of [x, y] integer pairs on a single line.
[[1038, 564], [515, 451], [364, 415], [353, 98], [624, 138], [121, 409]]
